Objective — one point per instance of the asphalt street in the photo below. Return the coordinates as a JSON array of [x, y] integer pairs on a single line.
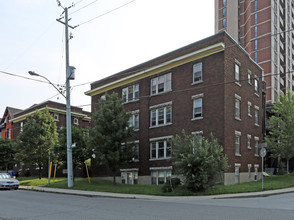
[[20, 204]]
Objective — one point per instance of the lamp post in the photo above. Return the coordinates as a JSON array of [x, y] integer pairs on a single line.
[[70, 70]]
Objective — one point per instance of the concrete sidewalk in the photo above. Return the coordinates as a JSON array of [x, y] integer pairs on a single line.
[[138, 196]]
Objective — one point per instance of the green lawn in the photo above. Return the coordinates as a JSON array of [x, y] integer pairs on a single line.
[[272, 182]]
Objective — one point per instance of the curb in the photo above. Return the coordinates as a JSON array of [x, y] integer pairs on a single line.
[[153, 197]]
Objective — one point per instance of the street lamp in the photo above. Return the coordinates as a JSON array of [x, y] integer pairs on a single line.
[[70, 75]]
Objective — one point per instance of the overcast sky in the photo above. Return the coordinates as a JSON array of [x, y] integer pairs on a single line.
[[123, 34]]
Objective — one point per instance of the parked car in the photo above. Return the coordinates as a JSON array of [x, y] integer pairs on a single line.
[[8, 182]]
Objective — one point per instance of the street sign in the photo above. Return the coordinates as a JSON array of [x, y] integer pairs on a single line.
[[262, 152]]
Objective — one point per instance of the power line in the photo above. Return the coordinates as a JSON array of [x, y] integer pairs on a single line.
[[24, 77], [83, 7], [107, 12]]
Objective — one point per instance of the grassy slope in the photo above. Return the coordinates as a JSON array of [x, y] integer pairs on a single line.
[[273, 182]]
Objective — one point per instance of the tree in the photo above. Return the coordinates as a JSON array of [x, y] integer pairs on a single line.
[[7, 151], [36, 140], [110, 132], [198, 160], [80, 152], [281, 128]]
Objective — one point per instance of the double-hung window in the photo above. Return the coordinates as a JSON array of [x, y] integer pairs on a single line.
[[237, 143], [249, 77], [256, 85], [130, 93], [197, 73], [248, 141], [161, 115], [160, 176], [160, 148], [237, 73], [249, 109], [197, 106], [134, 120], [256, 116], [237, 107], [256, 140], [161, 84]]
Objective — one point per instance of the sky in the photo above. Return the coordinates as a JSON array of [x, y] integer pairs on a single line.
[[111, 36]]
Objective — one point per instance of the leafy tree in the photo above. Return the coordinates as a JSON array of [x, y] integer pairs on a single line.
[[281, 129], [109, 131], [198, 160], [80, 153], [36, 140], [7, 151]]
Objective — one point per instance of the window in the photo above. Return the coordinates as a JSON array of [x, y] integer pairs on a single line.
[[197, 139], [161, 115], [224, 3], [256, 166], [249, 170], [224, 12], [224, 22], [8, 133], [256, 84], [256, 113], [161, 84], [129, 176], [237, 73], [197, 72], [237, 173], [136, 151], [248, 141], [197, 106], [134, 120], [130, 93], [56, 116], [237, 143], [160, 148], [256, 140], [160, 176], [249, 77], [249, 109], [237, 107], [21, 127], [76, 121]]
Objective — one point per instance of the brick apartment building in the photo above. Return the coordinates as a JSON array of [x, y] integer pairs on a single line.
[[208, 86], [79, 117], [6, 126]]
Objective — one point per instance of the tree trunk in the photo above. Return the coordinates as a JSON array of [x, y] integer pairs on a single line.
[[40, 172], [114, 179], [287, 167]]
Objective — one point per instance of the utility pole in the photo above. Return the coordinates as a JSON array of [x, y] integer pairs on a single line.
[[69, 76]]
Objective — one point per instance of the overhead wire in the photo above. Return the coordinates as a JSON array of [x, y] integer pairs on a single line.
[[83, 7]]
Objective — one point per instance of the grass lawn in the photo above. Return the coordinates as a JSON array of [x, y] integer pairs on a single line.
[[270, 183]]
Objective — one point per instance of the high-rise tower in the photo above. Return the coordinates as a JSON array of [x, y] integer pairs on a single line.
[[264, 29]]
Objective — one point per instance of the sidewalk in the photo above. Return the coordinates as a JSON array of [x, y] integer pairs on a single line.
[[138, 196]]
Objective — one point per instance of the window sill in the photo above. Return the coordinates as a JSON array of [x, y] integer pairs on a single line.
[[158, 126], [195, 83], [256, 155], [238, 119], [239, 84], [256, 94], [250, 83], [198, 118], [249, 115], [156, 159], [161, 92], [131, 101], [249, 148], [257, 125], [238, 155], [135, 130]]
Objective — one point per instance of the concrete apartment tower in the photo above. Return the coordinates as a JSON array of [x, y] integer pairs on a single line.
[[264, 29]]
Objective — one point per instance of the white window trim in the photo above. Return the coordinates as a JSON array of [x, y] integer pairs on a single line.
[[256, 108], [256, 139], [239, 64], [165, 90], [249, 113], [238, 133], [200, 81], [156, 140], [76, 121], [127, 95], [132, 114], [249, 81], [156, 108], [249, 137], [237, 97], [198, 96], [157, 172], [57, 116]]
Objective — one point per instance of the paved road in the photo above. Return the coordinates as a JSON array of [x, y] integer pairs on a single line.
[[19, 204]]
